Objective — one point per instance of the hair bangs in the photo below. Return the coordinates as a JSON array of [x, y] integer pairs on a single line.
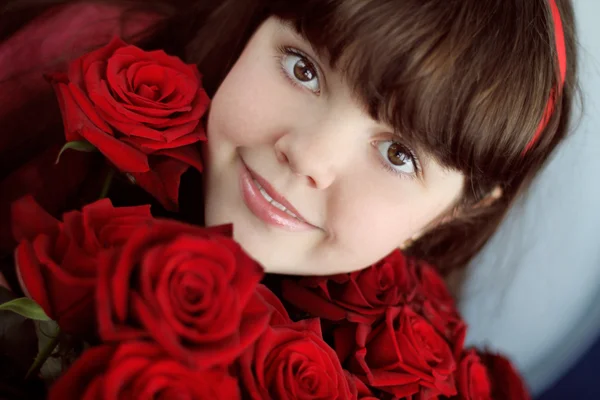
[[454, 79]]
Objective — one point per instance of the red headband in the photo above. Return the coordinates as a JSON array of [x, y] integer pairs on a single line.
[[559, 38]]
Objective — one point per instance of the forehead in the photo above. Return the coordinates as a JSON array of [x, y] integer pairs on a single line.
[[453, 78], [374, 70], [338, 68]]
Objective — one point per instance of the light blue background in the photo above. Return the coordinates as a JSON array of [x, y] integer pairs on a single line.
[[534, 292]]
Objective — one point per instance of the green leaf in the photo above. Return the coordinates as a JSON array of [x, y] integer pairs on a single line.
[[43, 355], [18, 348], [79, 145], [26, 307]]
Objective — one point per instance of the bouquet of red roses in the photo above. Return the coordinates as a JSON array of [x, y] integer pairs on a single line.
[[178, 311], [151, 308]]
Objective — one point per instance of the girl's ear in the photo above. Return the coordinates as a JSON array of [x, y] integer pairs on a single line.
[[495, 194], [489, 199]]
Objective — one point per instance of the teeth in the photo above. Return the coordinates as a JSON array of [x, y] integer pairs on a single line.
[[276, 204], [273, 202], [290, 213], [265, 194]]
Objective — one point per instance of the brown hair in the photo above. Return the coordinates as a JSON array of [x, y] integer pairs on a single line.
[[467, 81]]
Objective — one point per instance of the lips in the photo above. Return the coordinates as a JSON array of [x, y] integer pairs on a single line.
[[267, 204], [272, 193], [274, 202]]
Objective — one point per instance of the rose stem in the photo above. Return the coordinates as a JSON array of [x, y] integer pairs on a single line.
[[107, 182], [43, 355]]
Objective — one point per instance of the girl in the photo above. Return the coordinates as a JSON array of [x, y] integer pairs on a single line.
[[338, 130]]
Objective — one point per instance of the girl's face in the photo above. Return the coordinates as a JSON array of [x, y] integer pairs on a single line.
[[312, 183]]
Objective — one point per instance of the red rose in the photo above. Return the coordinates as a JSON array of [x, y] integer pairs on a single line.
[[432, 285], [57, 261], [403, 355], [506, 381], [360, 391], [473, 381], [360, 296], [140, 109], [139, 370], [189, 288], [434, 302], [279, 315], [293, 362]]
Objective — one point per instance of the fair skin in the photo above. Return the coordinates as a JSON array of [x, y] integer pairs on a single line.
[[284, 115]]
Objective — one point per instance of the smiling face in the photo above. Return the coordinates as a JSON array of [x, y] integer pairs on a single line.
[[312, 183]]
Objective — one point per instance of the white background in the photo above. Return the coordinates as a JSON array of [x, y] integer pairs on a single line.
[[534, 292]]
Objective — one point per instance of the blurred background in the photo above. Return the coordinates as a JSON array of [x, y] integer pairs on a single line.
[[534, 292], [581, 380]]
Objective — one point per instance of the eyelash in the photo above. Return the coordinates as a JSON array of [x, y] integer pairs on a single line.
[[287, 51], [402, 175]]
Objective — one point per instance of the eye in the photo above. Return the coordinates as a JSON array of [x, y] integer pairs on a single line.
[[300, 70], [398, 158]]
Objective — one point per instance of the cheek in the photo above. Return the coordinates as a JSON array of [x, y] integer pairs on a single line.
[[249, 107], [377, 220], [373, 225]]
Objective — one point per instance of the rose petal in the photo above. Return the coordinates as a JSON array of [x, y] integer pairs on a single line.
[[162, 181], [31, 277], [85, 106], [122, 155], [187, 154]]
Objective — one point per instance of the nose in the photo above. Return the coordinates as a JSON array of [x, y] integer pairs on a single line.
[[314, 179], [317, 155]]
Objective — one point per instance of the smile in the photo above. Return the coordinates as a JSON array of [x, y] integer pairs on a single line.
[[272, 201], [268, 205]]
